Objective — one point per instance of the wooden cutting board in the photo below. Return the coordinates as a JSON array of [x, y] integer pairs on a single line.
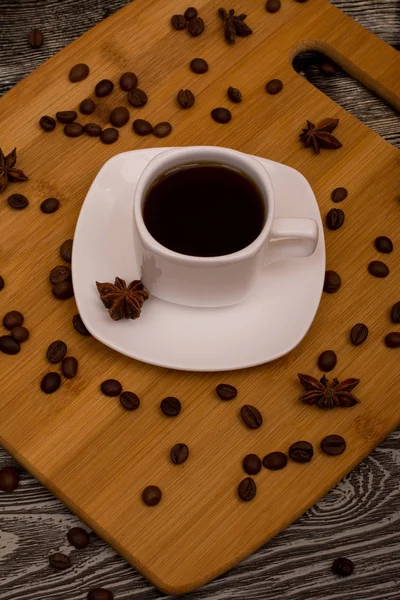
[[96, 457]]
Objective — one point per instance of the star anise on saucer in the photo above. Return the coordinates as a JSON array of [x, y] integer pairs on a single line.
[[325, 395], [123, 301], [321, 136], [234, 25], [7, 170]]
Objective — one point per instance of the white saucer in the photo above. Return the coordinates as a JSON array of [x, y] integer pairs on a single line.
[[270, 323]]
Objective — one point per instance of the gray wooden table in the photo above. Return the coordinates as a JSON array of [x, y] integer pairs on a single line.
[[360, 518]]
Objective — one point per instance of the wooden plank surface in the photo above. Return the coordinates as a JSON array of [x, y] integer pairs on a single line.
[[247, 595]]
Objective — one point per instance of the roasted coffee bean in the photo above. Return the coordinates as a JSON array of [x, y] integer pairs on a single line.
[[395, 313], [111, 387], [247, 489], [251, 416], [103, 88], [78, 72], [384, 244], [334, 218], [87, 106], [137, 97], [18, 201], [9, 479], [13, 319], [66, 250], [50, 383], [226, 391], [109, 135], [199, 66], [73, 129], [221, 115], [78, 537], [49, 206], [142, 127], [162, 130], [129, 400], [63, 290], [327, 68], [8, 345], [47, 123], [66, 116], [171, 407], [1, 283], [234, 94], [119, 116], [333, 445], [60, 561], [274, 86], [35, 39], [332, 282], [178, 22], [60, 273], [392, 340], [128, 81], [69, 367], [275, 461], [339, 194], [179, 453], [358, 334], [56, 351], [327, 360], [190, 13], [80, 325], [301, 452], [343, 566], [185, 98], [251, 464], [273, 6], [196, 26], [301, 1], [93, 130], [20, 334], [378, 269], [151, 495], [99, 594]]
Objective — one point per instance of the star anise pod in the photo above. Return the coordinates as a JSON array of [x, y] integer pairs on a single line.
[[122, 301], [321, 136], [7, 170], [234, 25], [325, 395]]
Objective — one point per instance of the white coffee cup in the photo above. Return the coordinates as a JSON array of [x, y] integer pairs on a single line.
[[220, 280]]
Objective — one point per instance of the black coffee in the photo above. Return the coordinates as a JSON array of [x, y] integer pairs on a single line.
[[204, 209]]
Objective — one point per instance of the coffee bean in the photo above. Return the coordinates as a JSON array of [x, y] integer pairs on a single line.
[[73, 129], [221, 115], [333, 445], [69, 367], [275, 461], [119, 116], [332, 282], [339, 194], [13, 319], [66, 116], [60, 273], [78, 72], [226, 391], [190, 13], [128, 81], [66, 250], [358, 334], [87, 106], [185, 98], [251, 464], [20, 334], [301, 1], [179, 453], [178, 22], [171, 407], [8, 345], [129, 400], [151, 495], [384, 244], [80, 326], [327, 68], [395, 313], [50, 383], [247, 489], [78, 537], [109, 135], [99, 594], [162, 130], [137, 97], [18, 201], [60, 561], [301, 452], [234, 94], [35, 39], [103, 88], [199, 66], [111, 387], [56, 351], [274, 86], [63, 290], [142, 127], [196, 26], [93, 130], [49, 206], [392, 340], [334, 218], [1, 283], [378, 269], [327, 360], [47, 123], [343, 566], [273, 6], [9, 479], [251, 416]]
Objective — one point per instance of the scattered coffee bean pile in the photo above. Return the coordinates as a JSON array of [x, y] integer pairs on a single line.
[[190, 20], [56, 353], [11, 343], [113, 388]]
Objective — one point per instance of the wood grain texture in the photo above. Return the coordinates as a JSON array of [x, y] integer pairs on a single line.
[[219, 588]]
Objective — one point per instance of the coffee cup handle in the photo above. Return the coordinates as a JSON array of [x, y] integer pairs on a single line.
[[291, 238]]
